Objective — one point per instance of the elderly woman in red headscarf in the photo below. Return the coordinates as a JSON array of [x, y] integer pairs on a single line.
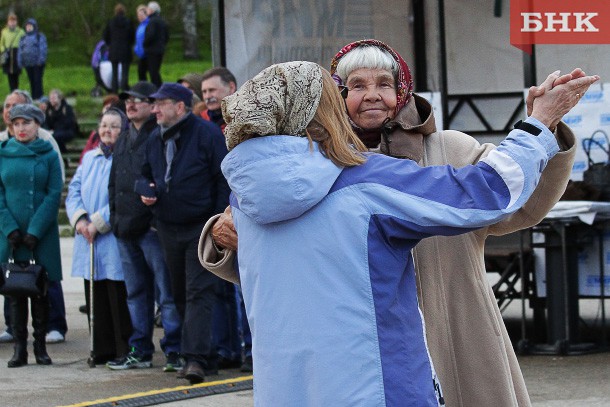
[[467, 339], [466, 336]]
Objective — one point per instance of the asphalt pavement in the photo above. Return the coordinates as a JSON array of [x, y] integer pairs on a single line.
[[553, 381]]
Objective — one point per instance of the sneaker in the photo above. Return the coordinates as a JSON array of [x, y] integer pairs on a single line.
[[54, 337], [6, 337], [133, 360], [173, 362]]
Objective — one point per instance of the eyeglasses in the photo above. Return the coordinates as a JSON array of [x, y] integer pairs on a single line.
[[112, 128], [164, 102], [136, 100]]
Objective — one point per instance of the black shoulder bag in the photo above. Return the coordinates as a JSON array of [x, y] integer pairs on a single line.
[[598, 174]]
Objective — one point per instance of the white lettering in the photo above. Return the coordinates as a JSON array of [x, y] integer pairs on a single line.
[[562, 21], [531, 22], [580, 21]]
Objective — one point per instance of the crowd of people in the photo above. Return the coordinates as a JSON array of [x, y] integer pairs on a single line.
[[341, 169]]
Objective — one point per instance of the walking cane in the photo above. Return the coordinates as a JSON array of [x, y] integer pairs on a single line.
[[91, 360]]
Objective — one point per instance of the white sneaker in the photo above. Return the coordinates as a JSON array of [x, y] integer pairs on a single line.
[[5, 337], [55, 337]]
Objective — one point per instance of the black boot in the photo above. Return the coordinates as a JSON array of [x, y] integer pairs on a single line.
[[20, 357], [19, 319], [40, 316], [40, 352]]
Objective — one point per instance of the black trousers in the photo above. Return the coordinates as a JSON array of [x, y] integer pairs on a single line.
[[154, 68], [35, 74], [142, 68], [111, 320], [192, 287], [124, 80]]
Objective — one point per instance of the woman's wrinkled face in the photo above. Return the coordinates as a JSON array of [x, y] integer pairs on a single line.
[[25, 130], [110, 128], [371, 98]]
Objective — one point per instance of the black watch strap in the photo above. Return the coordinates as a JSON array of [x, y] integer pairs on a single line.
[[530, 128]]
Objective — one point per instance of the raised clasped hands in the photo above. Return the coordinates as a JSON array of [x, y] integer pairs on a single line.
[[557, 95]]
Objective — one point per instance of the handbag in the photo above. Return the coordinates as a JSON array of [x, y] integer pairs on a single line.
[[4, 57], [6, 54], [598, 173], [25, 279]]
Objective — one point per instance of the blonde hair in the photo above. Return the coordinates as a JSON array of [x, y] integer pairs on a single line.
[[331, 128]]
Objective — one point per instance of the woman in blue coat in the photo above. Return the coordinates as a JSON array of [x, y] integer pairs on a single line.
[[30, 191], [89, 213]]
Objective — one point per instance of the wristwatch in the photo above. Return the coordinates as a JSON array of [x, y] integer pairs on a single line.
[[529, 128]]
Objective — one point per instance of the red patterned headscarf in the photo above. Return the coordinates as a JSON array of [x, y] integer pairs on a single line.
[[404, 81]]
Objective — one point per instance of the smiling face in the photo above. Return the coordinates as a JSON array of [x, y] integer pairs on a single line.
[[214, 90], [109, 129], [371, 98], [25, 130]]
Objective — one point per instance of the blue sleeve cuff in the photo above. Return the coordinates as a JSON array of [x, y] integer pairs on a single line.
[[546, 138]]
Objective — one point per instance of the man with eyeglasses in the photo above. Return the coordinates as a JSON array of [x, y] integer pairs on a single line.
[[187, 188], [57, 325], [139, 246]]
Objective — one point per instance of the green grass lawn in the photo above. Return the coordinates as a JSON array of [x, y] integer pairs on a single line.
[[76, 81]]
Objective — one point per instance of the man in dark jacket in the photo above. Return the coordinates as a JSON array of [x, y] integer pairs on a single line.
[[119, 35], [156, 37], [141, 254], [183, 168]]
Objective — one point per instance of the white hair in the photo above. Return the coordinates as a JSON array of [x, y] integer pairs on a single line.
[[366, 56], [154, 6]]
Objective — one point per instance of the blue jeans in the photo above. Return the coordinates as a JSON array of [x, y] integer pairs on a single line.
[[246, 335], [225, 322], [145, 269], [57, 309]]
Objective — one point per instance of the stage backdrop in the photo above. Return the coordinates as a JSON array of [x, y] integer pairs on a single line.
[[259, 33]]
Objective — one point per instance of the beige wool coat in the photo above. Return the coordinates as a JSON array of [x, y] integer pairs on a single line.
[[466, 336]]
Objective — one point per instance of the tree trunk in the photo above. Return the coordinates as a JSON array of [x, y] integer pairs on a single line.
[[189, 23]]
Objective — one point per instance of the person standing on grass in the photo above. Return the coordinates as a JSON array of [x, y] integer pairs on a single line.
[[9, 47], [156, 37], [138, 48], [32, 56], [119, 36]]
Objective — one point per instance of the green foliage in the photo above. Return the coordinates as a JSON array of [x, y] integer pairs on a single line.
[[73, 27]]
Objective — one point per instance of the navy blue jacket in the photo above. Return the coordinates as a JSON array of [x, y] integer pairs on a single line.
[[197, 189]]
